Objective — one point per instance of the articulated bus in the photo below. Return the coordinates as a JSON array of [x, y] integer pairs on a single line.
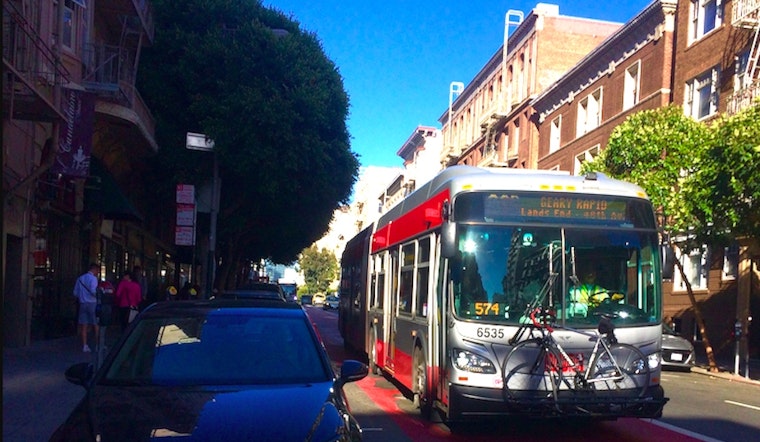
[[434, 291]]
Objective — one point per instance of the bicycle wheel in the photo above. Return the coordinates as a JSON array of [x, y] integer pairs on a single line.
[[532, 369], [633, 375]]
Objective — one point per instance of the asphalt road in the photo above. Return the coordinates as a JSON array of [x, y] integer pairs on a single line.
[[701, 407]]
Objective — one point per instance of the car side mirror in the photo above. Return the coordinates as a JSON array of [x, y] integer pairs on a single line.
[[352, 371], [80, 374]]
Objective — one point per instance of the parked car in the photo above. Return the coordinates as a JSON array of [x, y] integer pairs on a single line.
[[222, 370], [331, 302], [256, 290], [289, 290], [677, 352], [318, 299]]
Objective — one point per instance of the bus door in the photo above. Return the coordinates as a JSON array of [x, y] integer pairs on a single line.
[[390, 312], [440, 329]]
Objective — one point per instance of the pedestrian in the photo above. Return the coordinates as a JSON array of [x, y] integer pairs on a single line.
[[85, 291], [128, 299], [139, 277]]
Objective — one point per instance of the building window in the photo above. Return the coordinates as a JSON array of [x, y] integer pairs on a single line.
[[706, 15], [730, 261], [589, 112], [702, 94], [68, 33], [554, 134], [631, 86], [695, 267], [583, 157], [741, 79]]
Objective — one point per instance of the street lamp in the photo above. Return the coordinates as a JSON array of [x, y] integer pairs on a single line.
[[196, 141]]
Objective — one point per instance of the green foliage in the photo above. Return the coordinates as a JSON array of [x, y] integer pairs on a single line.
[[704, 178], [249, 78], [657, 149], [725, 191], [319, 267]]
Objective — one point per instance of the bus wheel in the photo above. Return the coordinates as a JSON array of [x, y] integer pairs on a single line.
[[372, 359], [421, 399]]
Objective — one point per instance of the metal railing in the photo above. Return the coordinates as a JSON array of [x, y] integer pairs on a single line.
[[29, 56], [743, 98]]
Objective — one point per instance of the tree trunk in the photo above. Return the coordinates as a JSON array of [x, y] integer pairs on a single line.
[[698, 316]]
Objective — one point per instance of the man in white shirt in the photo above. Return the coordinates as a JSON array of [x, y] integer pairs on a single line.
[[85, 290]]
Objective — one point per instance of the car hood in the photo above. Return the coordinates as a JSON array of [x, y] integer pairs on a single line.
[[671, 342], [293, 412]]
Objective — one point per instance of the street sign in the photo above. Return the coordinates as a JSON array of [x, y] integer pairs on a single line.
[[199, 142], [185, 194], [185, 214], [184, 236]]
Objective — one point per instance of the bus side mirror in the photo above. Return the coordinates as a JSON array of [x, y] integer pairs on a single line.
[[448, 240]]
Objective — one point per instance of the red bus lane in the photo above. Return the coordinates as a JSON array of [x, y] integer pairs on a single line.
[[399, 408]]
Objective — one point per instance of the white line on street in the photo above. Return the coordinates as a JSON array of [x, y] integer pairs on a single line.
[[683, 431], [739, 404]]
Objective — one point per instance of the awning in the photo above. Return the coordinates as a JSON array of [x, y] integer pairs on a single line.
[[103, 195]]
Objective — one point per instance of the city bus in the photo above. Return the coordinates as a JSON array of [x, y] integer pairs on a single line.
[[434, 291]]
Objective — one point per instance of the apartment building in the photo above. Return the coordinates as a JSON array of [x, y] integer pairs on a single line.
[[489, 122], [421, 153], [716, 72], [75, 136], [629, 72]]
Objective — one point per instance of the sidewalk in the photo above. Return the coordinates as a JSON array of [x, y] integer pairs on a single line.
[[726, 370], [37, 398]]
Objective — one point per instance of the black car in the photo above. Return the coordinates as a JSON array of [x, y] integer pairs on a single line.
[[222, 370], [256, 290]]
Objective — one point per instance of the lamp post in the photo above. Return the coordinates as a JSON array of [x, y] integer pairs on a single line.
[[196, 141]]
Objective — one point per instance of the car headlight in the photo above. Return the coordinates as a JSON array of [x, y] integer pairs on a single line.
[[654, 361], [469, 361]]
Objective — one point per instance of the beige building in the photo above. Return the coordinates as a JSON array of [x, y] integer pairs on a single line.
[[489, 123]]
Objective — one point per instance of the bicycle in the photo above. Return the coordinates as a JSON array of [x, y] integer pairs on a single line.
[[540, 368]]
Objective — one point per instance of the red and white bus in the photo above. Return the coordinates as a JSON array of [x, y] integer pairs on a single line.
[[435, 289]]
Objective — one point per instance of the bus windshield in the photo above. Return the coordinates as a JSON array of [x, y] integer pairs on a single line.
[[500, 271]]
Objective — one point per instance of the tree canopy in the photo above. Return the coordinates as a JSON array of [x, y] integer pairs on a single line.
[[320, 268], [264, 91]]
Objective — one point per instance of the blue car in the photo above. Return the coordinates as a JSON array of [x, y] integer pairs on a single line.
[[215, 370]]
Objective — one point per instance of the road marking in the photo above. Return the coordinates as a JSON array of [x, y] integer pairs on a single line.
[[683, 431], [739, 404]]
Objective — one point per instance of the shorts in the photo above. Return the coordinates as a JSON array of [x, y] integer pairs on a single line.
[[87, 313]]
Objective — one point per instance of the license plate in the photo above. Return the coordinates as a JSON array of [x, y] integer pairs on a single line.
[[676, 357]]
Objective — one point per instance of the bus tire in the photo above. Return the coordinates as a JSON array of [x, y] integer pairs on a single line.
[[420, 383]]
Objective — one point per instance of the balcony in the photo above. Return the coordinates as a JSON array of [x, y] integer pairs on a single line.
[[745, 13], [109, 72], [133, 16], [743, 98], [31, 71]]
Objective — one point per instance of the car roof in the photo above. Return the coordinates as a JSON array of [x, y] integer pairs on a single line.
[[203, 305]]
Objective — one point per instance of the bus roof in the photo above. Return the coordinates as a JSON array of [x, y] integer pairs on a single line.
[[458, 179]]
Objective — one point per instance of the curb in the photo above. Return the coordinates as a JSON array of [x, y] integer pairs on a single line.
[[725, 375]]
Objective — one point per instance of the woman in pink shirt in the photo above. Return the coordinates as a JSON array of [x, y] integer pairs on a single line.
[[128, 297]]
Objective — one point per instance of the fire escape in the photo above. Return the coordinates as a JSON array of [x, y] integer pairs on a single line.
[[746, 15], [32, 71]]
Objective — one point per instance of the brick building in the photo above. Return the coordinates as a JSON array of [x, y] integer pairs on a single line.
[[489, 123]]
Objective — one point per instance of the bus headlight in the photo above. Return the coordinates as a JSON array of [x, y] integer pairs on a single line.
[[654, 361], [468, 361]]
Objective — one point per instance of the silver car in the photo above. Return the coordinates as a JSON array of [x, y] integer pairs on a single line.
[[677, 352]]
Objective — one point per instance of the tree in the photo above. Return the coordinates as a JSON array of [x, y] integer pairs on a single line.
[[659, 150], [320, 268], [250, 79]]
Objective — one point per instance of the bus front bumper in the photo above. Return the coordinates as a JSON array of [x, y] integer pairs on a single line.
[[469, 403]]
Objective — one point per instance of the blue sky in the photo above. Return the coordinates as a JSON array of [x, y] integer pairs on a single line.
[[397, 58]]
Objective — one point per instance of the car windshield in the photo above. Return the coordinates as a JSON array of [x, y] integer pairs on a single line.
[[502, 270], [218, 348]]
